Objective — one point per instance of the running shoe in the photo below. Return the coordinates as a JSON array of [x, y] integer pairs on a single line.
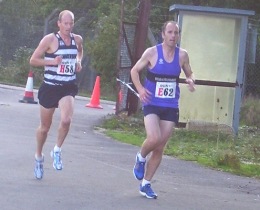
[[139, 168], [38, 170], [147, 191], [57, 163]]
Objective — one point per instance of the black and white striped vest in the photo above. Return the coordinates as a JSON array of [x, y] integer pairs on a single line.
[[64, 73]]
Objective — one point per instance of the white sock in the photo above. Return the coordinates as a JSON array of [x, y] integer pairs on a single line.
[[38, 158], [144, 182], [56, 149], [142, 159]]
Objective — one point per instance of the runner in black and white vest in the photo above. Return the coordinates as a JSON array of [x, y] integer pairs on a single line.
[[60, 54]]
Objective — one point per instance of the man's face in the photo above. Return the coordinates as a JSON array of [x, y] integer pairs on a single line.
[[66, 24], [171, 34]]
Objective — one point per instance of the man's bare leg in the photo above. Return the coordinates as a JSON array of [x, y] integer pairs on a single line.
[[41, 136], [66, 105], [166, 128], [42, 131]]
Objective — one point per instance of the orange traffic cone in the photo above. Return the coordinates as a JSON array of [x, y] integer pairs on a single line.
[[94, 102], [28, 95], [120, 97]]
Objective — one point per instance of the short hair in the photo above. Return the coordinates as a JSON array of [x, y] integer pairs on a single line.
[[166, 23], [65, 12]]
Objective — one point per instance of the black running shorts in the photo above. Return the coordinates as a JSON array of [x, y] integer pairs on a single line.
[[164, 113], [50, 95]]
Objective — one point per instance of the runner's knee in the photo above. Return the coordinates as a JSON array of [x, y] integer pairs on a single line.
[[44, 129], [65, 122]]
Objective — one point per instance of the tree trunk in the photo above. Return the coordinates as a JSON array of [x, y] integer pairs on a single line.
[[140, 40]]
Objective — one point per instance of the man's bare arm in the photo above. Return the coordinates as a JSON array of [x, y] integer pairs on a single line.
[[79, 42], [37, 58], [140, 65], [185, 64]]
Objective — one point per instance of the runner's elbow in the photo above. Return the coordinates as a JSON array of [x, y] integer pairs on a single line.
[[32, 61]]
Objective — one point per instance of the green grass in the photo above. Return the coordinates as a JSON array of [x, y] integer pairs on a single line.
[[122, 137], [220, 151]]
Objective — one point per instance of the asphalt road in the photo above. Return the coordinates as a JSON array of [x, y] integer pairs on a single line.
[[97, 172]]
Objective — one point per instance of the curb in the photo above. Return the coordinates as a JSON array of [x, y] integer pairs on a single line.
[[10, 87]]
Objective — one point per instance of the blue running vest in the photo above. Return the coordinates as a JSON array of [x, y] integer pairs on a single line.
[[65, 73], [163, 81]]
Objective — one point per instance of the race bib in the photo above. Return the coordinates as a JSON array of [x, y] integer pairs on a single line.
[[67, 67], [165, 89]]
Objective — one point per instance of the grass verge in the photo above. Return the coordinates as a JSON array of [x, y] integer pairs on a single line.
[[220, 151]]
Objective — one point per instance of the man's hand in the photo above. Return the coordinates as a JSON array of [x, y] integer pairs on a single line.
[[145, 95], [57, 60], [191, 84], [78, 66]]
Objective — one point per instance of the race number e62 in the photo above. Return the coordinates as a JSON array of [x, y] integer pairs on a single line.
[[165, 89]]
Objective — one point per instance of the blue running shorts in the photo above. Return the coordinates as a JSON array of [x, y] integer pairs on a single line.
[[164, 113]]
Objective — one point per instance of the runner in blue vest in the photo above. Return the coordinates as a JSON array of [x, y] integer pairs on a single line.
[[160, 100], [61, 54]]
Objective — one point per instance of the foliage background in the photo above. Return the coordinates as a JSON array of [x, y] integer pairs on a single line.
[[23, 25]]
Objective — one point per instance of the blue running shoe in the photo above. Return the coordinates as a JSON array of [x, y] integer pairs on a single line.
[[38, 170], [57, 163], [139, 169], [147, 191]]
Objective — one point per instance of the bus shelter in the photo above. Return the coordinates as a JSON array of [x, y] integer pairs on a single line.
[[215, 39]]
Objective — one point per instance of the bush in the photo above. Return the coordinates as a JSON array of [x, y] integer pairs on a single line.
[[250, 111], [16, 72], [228, 158]]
